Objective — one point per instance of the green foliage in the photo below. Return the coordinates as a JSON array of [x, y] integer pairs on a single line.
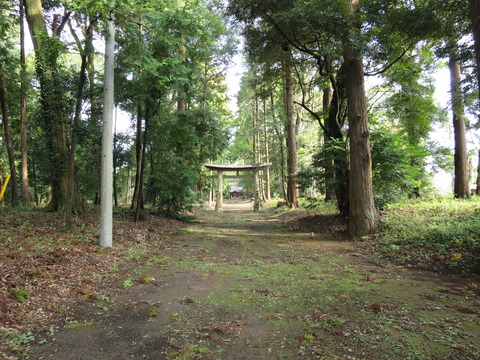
[[412, 104], [184, 141], [394, 177], [320, 207], [19, 294], [127, 283], [182, 47], [324, 167], [22, 339], [79, 325], [174, 186], [442, 157]]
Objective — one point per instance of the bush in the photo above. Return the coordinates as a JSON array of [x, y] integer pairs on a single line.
[[393, 175]]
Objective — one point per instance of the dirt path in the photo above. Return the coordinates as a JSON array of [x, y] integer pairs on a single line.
[[238, 285]]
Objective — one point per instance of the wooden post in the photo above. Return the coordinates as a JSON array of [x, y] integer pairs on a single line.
[[256, 199], [210, 190], [219, 203]]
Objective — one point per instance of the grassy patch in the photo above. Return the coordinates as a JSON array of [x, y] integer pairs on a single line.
[[79, 325], [439, 233], [328, 308]]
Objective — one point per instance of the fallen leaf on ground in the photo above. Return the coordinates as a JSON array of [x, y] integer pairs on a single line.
[[376, 307]]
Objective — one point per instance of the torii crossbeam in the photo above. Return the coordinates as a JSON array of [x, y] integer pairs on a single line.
[[236, 168]]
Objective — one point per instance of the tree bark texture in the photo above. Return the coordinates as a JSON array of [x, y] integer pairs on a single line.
[[292, 188], [362, 214], [361, 206], [267, 153], [2, 200], [71, 198], [477, 191], [140, 178], [461, 179], [475, 18], [23, 111], [8, 139], [280, 137], [138, 151], [129, 185], [333, 127], [326, 101], [257, 148], [181, 102], [53, 104]]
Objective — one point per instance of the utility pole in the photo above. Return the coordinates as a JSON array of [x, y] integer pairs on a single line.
[[106, 228]]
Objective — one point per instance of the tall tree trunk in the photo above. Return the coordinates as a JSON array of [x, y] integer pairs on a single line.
[[477, 191], [333, 127], [255, 131], [129, 185], [280, 138], [71, 197], [153, 173], [257, 148], [2, 200], [283, 174], [139, 206], [267, 153], [115, 164], [475, 18], [461, 180], [8, 139], [95, 111], [362, 213], [326, 101], [23, 110], [181, 103], [335, 148], [138, 150], [35, 187], [52, 101], [292, 188]]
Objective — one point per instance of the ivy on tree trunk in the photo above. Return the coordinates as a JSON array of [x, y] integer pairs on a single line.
[[53, 103]]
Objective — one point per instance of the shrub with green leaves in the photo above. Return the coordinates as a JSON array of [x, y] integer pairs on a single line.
[[394, 177], [184, 141], [19, 294]]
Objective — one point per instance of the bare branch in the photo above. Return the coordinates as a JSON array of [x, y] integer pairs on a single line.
[[381, 71]]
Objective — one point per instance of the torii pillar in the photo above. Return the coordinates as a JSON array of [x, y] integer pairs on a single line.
[[256, 198], [219, 195]]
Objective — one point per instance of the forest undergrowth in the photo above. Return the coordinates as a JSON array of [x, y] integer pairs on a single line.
[[45, 269], [440, 234]]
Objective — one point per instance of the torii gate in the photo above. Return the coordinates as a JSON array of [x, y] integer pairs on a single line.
[[236, 168]]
